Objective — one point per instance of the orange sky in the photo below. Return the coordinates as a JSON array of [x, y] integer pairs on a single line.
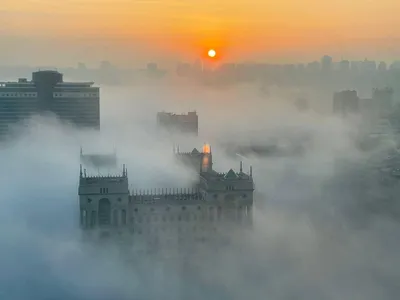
[[186, 28]]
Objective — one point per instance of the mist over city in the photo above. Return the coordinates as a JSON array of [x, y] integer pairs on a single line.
[[169, 150]]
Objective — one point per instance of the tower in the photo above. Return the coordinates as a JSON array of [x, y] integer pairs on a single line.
[[103, 200]]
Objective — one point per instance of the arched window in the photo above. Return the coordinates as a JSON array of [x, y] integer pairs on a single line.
[[123, 217], [83, 218], [104, 211]]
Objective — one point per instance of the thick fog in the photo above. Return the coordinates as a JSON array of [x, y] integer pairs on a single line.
[[323, 228]]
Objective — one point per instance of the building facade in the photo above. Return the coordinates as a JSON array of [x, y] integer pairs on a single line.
[[184, 123], [345, 102], [218, 203], [74, 102]]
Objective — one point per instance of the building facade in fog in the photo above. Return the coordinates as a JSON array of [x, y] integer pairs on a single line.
[[218, 203], [184, 123], [74, 102], [345, 102], [384, 98]]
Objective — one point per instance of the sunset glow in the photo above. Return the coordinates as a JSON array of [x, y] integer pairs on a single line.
[[185, 29], [211, 53]]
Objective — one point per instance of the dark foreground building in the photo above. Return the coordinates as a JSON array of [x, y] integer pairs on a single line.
[[74, 102]]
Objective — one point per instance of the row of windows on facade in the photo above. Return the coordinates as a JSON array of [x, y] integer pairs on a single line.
[[142, 199], [75, 95], [152, 209], [106, 220], [19, 95]]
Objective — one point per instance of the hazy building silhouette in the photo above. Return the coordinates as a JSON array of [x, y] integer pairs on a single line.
[[384, 98], [382, 67], [345, 102], [326, 64], [344, 66], [185, 123], [74, 102]]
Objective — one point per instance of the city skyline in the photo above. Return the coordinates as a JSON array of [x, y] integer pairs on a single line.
[[46, 32]]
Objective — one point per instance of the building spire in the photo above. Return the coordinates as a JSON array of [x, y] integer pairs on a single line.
[[251, 171], [81, 152], [241, 167], [80, 170]]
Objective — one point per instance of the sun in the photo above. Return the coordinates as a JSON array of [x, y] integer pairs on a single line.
[[211, 53]]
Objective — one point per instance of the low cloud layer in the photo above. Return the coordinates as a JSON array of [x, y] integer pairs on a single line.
[[323, 229]]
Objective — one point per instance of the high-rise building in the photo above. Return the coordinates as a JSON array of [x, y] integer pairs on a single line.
[[184, 123], [345, 102], [344, 66], [382, 67], [74, 102], [326, 63], [384, 98]]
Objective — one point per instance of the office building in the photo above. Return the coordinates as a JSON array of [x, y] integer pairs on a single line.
[[183, 123], [77, 103], [345, 102]]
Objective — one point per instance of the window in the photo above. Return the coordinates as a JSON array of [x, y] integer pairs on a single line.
[[93, 219], [123, 217], [83, 218], [89, 200], [104, 191]]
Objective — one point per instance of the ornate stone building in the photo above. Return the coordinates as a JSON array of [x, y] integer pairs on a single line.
[[218, 203]]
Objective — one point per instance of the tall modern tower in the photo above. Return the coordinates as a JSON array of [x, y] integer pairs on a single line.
[[77, 103]]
